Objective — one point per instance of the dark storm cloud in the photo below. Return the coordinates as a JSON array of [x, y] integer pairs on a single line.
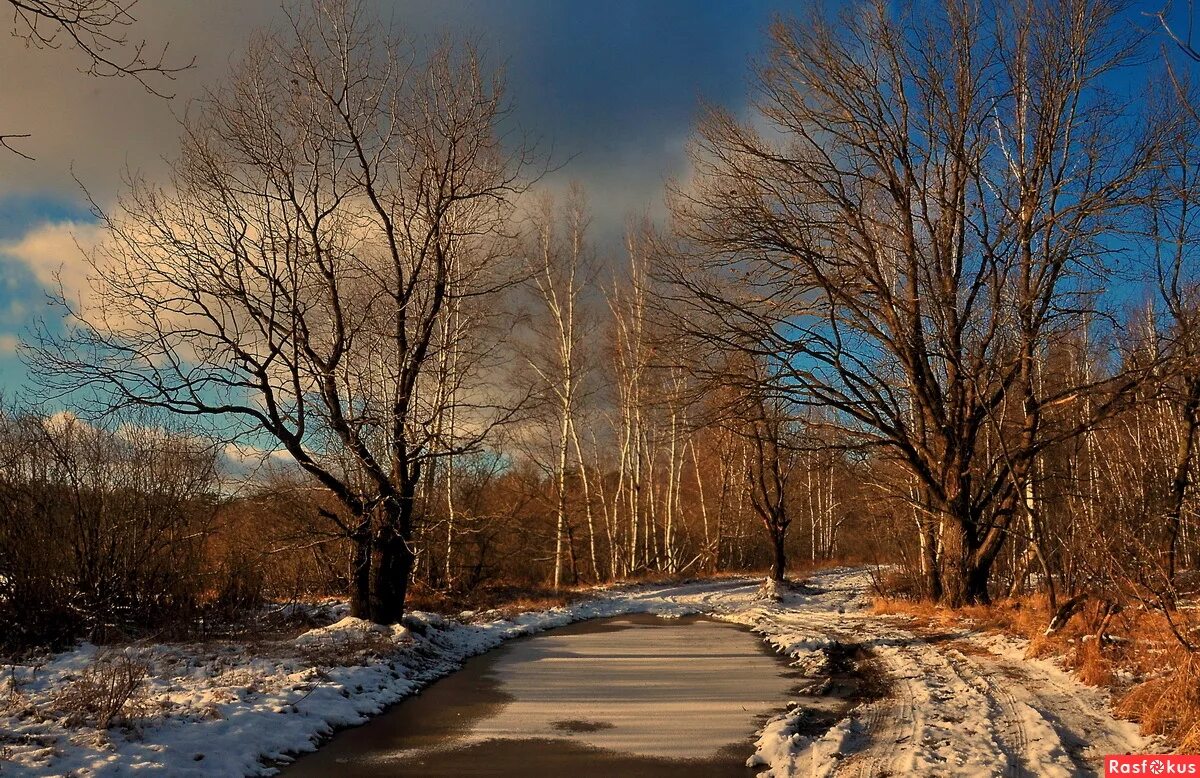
[[609, 90], [612, 87]]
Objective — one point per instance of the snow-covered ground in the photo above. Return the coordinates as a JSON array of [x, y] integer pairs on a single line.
[[950, 704], [956, 703]]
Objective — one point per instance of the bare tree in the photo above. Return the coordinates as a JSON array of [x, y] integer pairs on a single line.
[[1173, 231], [99, 30], [927, 210], [771, 434], [561, 270], [329, 202]]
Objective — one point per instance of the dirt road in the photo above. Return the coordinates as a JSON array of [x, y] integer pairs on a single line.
[[952, 703]]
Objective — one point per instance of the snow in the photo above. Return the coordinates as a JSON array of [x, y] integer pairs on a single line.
[[970, 705], [967, 704], [771, 589]]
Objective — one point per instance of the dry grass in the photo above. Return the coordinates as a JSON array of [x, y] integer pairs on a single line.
[[915, 609], [1025, 617], [1092, 665], [1169, 704], [13, 701], [108, 691]]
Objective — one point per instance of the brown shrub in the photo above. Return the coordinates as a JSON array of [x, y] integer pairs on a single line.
[[898, 582], [500, 599], [108, 691]]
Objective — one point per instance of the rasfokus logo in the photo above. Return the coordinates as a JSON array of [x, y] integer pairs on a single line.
[[1152, 764]]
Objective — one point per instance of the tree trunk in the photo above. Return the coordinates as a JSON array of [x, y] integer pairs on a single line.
[[928, 535], [392, 559], [1183, 465], [930, 564], [779, 563], [964, 575], [360, 571], [585, 482], [393, 562]]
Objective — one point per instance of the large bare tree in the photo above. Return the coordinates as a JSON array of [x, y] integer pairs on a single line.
[[328, 204], [925, 200]]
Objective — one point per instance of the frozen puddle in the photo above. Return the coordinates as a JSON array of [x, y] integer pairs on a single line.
[[631, 695]]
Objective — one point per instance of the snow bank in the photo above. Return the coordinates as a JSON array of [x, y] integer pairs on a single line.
[[236, 708]]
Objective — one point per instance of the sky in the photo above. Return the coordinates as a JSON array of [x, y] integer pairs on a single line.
[[610, 90]]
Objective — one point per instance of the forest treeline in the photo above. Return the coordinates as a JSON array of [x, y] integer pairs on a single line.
[[932, 306]]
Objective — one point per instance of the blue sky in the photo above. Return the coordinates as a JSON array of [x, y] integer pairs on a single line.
[[22, 294]]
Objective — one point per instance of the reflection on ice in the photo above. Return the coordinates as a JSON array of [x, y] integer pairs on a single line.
[[630, 696]]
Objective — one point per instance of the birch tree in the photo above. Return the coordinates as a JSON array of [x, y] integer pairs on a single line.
[[562, 270]]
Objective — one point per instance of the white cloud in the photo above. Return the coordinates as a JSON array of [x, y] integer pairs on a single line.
[[8, 344], [56, 251]]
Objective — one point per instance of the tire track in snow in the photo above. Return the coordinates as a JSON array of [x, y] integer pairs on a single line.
[[890, 728], [1011, 733], [1039, 752], [1077, 714], [949, 736], [959, 703]]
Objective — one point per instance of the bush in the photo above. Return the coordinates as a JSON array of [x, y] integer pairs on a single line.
[[108, 691], [103, 529]]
